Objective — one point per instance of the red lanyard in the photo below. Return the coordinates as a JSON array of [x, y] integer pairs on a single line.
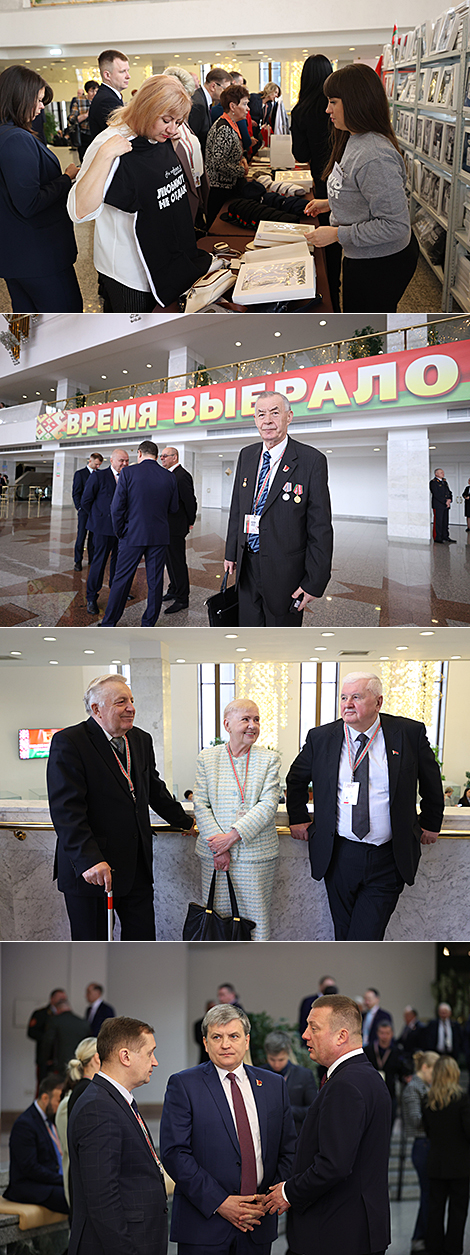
[[126, 771], [355, 763], [241, 788]]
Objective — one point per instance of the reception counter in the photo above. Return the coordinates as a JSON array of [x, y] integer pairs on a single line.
[[436, 908]]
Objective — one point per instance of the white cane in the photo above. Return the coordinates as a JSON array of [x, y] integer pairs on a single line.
[[110, 913]]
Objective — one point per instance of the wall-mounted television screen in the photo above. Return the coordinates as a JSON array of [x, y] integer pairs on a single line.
[[35, 742]]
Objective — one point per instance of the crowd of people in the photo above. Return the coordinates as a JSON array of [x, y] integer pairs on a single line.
[[314, 1143], [155, 172]]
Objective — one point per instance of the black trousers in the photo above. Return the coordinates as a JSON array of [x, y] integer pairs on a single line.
[[128, 560], [376, 284], [252, 608], [240, 1244], [80, 541], [88, 915], [103, 546], [46, 294], [117, 299], [175, 560], [363, 886], [439, 1239], [441, 521]]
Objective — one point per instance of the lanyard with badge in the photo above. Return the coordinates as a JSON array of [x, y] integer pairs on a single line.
[[252, 520], [126, 771], [242, 810], [350, 788]]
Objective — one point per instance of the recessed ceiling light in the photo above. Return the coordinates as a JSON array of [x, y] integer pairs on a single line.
[[376, 450], [180, 659], [51, 389], [88, 651], [238, 344], [231, 636], [384, 658], [149, 366], [432, 446], [351, 49], [426, 633], [402, 647], [55, 52], [53, 662], [25, 398], [115, 662], [329, 450], [241, 649], [328, 634], [248, 660], [14, 653], [320, 648], [377, 607], [49, 638], [104, 376], [125, 372], [221, 455], [314, 659], [454, 657], [38, 394], [322, 322], [329, 599], [27, 63], [278, 333], [434, 620]]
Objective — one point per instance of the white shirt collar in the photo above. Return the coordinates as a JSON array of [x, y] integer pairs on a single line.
[[173, 468], [349, 1055], [208, 96], [370, 731], [41, 1112], [122, 1089], [113, 89], [94, 1005], [239, 1072], [277, 451]]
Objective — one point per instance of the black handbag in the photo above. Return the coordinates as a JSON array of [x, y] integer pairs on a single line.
[[202, 923], [222, 607]]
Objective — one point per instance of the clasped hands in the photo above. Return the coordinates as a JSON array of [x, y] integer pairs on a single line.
[[246, 1211]]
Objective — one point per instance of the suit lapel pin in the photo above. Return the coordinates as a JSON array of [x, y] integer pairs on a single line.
[[396, 752], [285, 469], [244, 483], [258, 1082]]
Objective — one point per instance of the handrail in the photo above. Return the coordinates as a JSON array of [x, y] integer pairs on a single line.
[[20, 829]]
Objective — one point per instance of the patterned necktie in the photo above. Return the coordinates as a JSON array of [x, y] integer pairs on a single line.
[[258, 506], [249, 1180], [117, 743], [52, 1131], [145, 1132], [360, 813]]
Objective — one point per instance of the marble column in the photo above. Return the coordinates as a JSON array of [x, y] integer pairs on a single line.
[[62, 476], [409, 511], [180, 364], [66, 387], [417, 338], [151, 686]]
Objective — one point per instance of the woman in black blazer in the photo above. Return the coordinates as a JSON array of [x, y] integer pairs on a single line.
[[37, 242], [446, 1122], [311, 141]]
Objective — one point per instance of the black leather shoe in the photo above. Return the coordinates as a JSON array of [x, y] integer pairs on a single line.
[[77, 566], [130, 597], [171, 596], [92, 607], [450, 541], [177, 605]]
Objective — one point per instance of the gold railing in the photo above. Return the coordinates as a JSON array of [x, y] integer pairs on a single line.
[[440, 331], [20, 832]]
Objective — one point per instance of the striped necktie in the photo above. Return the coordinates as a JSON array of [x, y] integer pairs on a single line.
[[258, 505]]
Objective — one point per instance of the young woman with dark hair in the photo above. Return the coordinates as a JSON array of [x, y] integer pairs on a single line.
[[311, 141]]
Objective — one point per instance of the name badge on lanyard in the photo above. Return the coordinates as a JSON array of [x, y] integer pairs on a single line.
[[251, 527], [350, 792]]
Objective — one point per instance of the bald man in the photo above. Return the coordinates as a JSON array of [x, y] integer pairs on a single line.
[[96, 506], [180, 524]]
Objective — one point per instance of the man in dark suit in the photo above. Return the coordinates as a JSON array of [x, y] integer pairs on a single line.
[[441, 499], [366, 837], [80, 479], [200, 119], [226, 1133], [386, 1056], [101, 780], [412, 1035], [373, 1015], [35, 1154], [115, 75], [62, 1036], [145, 497], [337, 1194], [119, 1196], [279, 534], [444, 1034], [97, 1010], [301, 1084], [37, 1026], [180, 524], [96, 506], [326, 985]]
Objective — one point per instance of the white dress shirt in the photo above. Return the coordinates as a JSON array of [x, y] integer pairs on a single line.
[[94, 1006], [349, 1055], [251, 1109], [444, 1037], [129, 1097], [275, 454], [379, 792]]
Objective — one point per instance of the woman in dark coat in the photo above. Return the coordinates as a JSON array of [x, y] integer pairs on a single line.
[[37, 242], [446, 1122], [311, 131]]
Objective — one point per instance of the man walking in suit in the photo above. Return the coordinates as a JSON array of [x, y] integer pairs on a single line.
[[97, 1010], [35, 1152], [101, 780], [441, 497], [146, 495], [337, 1193], [80, 479], [180, 524], [279, 534], [200, 119], [366, 837], [119, 1196], [115, 75], [226, 1133], [96, 505]]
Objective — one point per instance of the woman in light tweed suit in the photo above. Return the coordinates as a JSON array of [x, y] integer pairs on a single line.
[[236, 796]]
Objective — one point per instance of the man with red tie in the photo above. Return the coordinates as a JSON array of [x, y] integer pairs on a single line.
[[226, 1134]]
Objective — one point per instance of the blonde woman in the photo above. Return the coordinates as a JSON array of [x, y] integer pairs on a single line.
[[236, 796], [412, 1101], [132, 185], [446, 1122], [189, 152], [79, 1072]]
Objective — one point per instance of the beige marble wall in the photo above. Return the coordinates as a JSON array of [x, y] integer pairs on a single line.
[[151, 687], [409, 502]]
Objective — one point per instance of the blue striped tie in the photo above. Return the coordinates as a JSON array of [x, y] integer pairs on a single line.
[[258, 507]]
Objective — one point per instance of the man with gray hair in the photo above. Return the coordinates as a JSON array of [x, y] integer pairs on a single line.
[[279, 535], [226, 1134], [366, 835], [101, 780]]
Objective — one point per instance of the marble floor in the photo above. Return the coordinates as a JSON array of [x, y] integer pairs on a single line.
[[375, 582]]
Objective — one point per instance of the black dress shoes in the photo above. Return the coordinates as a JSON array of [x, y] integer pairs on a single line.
[[92, 607], [176, 607], [170, 596], [77, 566]]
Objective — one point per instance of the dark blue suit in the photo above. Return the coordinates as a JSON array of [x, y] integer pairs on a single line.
[[37, 242], [96, 504], [104, 1012], [119, 1198], [34, 1167], [145, 495], [200, 1151], [80, 481]]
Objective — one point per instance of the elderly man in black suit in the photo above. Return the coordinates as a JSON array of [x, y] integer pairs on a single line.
[[119, 1196], [366, 837], [180, 524], [35, 1152], [101, 780], [203, 98], [80, 479], [97, 1010], [441, 498], [337, 1195], [96, 506], [444, 1034], [279, 534], [115, 76]]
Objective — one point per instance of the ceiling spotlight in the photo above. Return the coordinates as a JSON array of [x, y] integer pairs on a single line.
[[402, 647], [238, 344], [49, 638], [314, 660], [426, 633], [322, 322], [241, 649], [278, 333], [125, 372], [115, 662], [328, 633], [53, 662], [454, 657], [384, 658], [180, 659], [104, 376], [88, 651], [14, 653], [149, 366]]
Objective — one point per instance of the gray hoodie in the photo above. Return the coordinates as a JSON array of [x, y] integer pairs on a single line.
[[367, 198]]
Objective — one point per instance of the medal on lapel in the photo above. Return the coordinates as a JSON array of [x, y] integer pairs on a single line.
[[244, 483], [298, 490], [287, 489]]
